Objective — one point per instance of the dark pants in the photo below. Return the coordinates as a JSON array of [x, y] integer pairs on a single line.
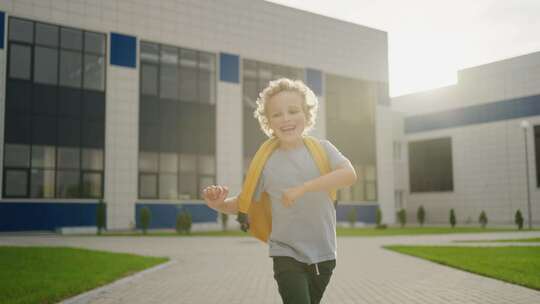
[[298, 282]]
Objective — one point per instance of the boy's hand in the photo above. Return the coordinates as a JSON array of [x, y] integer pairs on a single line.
[[215, 195], [291, 194]]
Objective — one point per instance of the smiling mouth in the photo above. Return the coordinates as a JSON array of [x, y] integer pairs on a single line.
[[287, 129]]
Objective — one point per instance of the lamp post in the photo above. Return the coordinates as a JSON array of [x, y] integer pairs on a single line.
[[525, 126]]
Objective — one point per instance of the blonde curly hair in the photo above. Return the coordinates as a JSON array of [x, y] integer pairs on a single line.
[[310, 104]]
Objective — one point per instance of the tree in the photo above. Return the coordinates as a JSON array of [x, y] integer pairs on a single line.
[[224, 220], [101, 216], [402, 217], [378, 217], [421, 215], [145, 218], [183, 222], [351, 216], [518, 219], [452, 218], [482, 219]]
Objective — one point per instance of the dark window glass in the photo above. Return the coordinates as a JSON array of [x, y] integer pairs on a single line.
[[68, 158], [71, 39], [91, 185], [93, 135], [94, 42], [149, 79], [19, 61], [44, 99], [149, 52], [92, 159], [45, 65], [44, 130], [18, 129], [94, 105], [43, 156], [42, 183], [47, 34], [169, 73], [69, 132], [94, 72], [148, 161], [16, 183], [148, 186], [148, 137], [70, 69], [67, 183], [17, 155], [187, 184], [188, 75], [69, 102], [19, 97], [430, 165], [168, 186], [21, 30], [149, 110], [207, 78]]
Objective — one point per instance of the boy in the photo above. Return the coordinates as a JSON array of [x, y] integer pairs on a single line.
[[303, 238]]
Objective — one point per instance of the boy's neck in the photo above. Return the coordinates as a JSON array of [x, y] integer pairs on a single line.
[[288, 145]]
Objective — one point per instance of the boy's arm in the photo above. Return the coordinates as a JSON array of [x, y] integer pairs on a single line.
[[228, 206], [343, 176]]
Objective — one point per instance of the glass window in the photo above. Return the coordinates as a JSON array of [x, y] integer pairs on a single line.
[[188, 163], [148, 185], [91, 184], [168, 186], [205, 181], [149, 52], [70, 69], [92, 159], [169, 73], [43, 156], [207, 78], [46, 34], [187, 186], [71, 39], [168, 162], [67, 183], [94, 42], [188, 75], [207, 165], [16, 182], [68, 158], [45, 65], [21, 30], [94, 72], [42, 183], [148, 161], [17, 155], [149, 79], [19, 61]]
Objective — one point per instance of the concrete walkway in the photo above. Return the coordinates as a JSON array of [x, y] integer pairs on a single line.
[[238, 270]]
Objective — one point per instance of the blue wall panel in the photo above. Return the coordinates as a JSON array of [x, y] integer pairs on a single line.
[[45, 216], [2, 28], [164, 215], [229, 68], [491, 112], [123, 50], [364, 213]]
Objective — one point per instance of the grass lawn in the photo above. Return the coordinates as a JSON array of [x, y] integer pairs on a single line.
[[518, 265], [531, 240], [50, 274], [345, 232]]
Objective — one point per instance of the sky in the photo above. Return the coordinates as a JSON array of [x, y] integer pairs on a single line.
[[430, 40]]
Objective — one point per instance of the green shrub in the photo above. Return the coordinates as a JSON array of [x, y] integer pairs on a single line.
[[482, 219], [421, 215], [183, 222], [378, 217], [101, 216], [452, 218], [145, 218], [351, 216], [518, 219], [224, 221], [402, 217]]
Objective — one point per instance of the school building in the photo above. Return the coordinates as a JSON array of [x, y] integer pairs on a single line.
[[144, 103], [473, 146]]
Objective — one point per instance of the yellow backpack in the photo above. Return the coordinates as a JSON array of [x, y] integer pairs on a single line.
[[257, 217]]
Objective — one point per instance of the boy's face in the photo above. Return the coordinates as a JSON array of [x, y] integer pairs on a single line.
[[286, 115]]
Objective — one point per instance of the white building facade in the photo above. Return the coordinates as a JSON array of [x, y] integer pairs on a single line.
[[463, 147], [142, 104]]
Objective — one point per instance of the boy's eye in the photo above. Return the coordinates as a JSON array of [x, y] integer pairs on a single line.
[[276, 114]]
